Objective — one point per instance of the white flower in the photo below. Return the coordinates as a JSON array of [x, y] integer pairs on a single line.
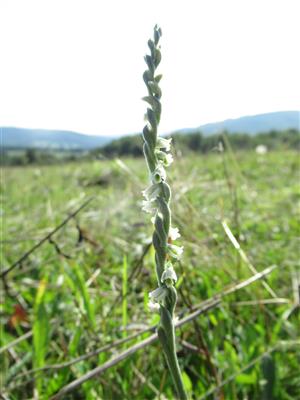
[[261, 149], [169, 275], [163, 143], [168, 159], [174, 233], [153, 306], [175, 251], [149, 206], [158, 175], [165, 158], [152, 192], [158, 295]]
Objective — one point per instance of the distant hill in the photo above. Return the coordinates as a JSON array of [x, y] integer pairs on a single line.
[[50, 139], [252, 124], [65, 140]]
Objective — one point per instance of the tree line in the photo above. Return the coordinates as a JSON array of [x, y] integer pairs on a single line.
[[197, 142], [132, 146]]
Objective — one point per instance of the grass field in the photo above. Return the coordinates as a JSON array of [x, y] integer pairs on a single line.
[[88, 286]]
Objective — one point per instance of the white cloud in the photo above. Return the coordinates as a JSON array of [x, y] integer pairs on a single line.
[[77, 65]]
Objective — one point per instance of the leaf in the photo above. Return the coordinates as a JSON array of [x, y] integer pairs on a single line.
[[41, 327], [75, 341], [79, 286], [187, 382], [124, 294], [213, 320], [246, 379]]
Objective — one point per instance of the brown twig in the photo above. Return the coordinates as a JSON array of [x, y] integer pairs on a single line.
[[88, 355], [16, 341], [83, 236], [58, 249]]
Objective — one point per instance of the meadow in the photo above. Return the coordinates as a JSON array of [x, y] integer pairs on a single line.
[[80, 299]]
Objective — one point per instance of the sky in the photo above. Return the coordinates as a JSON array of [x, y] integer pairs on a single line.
[[77, 65]]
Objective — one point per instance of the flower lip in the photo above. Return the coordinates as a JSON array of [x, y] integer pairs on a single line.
[[153, 306], [152, 192], [149, 206], [163, 143], [175, 251], [158, 175], [157, 178], [174, 233], [166, 159], [169, 276], [158, 295]]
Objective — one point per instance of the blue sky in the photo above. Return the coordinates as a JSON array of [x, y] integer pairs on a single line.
[[77, 65]]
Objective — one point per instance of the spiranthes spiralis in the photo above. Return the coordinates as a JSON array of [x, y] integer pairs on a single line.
[[157, 201]]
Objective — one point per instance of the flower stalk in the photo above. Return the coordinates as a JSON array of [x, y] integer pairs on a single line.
[[157, 202]]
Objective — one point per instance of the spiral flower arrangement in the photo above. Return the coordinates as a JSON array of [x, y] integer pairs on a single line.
[[157, 202]]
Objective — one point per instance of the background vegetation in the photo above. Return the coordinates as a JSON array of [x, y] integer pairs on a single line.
[[199, 143], [132, 146], [88, 285]]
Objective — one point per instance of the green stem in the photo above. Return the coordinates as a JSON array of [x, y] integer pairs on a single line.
[[166, 336], [176, 375]]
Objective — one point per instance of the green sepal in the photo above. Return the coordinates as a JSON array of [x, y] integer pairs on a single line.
[[149, 63], [157, 57], [157, 34], [171, 299], [154, 103], [152, 120], [158, 78], [159, 227], [166, 190], [149, 137], [166, 212], [155, 88], [150, 157], [151, 44], [147, 76], [160, 256]]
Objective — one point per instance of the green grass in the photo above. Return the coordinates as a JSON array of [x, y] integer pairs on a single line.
[[124, 294], [71, 302]]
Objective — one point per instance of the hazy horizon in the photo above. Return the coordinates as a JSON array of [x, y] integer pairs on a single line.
[[137, 132]]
